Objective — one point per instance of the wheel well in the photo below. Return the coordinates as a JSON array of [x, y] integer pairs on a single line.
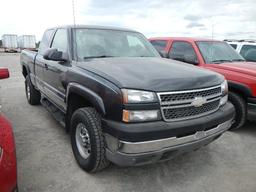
[[75, 101], [238, 91], [24, 71], [241, 89]]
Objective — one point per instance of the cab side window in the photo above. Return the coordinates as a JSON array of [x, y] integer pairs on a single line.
[[183, 51], [160, 45], [60, 41], [233, 45], [46, 41]]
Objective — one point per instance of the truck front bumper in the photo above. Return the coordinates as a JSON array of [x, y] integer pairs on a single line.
[[139, 153], [132, 153]]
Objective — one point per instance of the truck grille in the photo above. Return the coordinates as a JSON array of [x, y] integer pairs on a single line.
[[182, 105]]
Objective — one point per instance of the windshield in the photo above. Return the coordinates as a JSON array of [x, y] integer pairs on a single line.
[[99, 43], [218, 52]]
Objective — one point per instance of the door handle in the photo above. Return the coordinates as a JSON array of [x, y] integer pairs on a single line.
[[45, 66]]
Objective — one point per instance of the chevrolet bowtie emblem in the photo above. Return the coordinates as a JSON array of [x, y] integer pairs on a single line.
[[198, 101]]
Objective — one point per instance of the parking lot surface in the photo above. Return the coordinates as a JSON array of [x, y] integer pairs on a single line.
[[46, 162]]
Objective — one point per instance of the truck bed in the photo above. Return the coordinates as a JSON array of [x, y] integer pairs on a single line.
[[27, 59]]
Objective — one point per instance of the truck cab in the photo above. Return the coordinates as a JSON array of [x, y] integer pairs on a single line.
[[220, 57]]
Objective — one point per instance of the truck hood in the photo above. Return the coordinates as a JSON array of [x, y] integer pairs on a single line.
[[153, 74], [248, 68]]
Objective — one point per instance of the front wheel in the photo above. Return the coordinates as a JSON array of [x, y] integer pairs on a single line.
[[87, 140], [240, 110]]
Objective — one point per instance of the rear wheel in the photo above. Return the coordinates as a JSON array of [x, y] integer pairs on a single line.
[[87, 140], [33, 95], [240, 108]]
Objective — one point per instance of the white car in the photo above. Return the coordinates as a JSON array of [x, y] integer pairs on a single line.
[[246, 48]]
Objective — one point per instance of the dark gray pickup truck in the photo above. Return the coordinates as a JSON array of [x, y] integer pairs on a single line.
[[120, 101]]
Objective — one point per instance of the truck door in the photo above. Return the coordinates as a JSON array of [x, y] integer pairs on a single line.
[[183, 51], [54, 71], [40, 61]]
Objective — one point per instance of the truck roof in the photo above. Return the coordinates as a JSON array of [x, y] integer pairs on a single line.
[[190, 39], [93, 27]]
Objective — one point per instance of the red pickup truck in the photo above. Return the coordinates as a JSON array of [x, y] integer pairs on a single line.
[[220, 57]]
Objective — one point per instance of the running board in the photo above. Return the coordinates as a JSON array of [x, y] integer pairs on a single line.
[[56, 113]]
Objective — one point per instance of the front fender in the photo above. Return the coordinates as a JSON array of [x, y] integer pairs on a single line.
[[242, 88], [90, 96]]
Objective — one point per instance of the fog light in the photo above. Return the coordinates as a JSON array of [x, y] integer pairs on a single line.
[[138, 116]]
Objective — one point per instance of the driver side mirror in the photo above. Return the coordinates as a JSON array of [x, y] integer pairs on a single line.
[[185, 58], [55, 55], [163, 54], [190, 59]]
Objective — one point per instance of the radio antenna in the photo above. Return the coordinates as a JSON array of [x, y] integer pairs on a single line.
[[74, 30], [74, 15]]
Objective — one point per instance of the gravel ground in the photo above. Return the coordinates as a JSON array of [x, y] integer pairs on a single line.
[[46, 162]]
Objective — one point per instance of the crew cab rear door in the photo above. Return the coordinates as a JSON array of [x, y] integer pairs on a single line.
[[54, 71], [183, 51]]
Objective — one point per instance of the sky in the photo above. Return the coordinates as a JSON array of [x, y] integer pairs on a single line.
[[220, 19]]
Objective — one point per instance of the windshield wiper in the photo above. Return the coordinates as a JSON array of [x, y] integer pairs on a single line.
[[238, 59], [221, 60], [98, 56]]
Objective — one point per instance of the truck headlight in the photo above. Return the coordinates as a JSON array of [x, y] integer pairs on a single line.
[[224, 88], [140, 115], [224, 91], [136, 96]]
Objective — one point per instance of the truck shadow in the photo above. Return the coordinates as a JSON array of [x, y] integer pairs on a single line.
[[248, 129]]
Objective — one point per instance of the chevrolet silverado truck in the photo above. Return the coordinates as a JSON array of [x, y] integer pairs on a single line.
[[217, 56], [119, 100]]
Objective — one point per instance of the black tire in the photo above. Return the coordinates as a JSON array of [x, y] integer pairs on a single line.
[[240, 108], [33, 95], [96, 160]]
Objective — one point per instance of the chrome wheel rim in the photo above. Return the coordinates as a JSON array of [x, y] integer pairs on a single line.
[[28, 91], [83, 142]]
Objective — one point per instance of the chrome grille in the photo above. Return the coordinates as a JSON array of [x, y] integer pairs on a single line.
[[189, 95], [180, 105]]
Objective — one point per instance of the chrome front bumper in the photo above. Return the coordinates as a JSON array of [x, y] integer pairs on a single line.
[[137, 153]]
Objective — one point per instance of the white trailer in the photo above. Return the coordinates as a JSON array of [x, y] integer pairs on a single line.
[[10, 42], [27, 42]]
